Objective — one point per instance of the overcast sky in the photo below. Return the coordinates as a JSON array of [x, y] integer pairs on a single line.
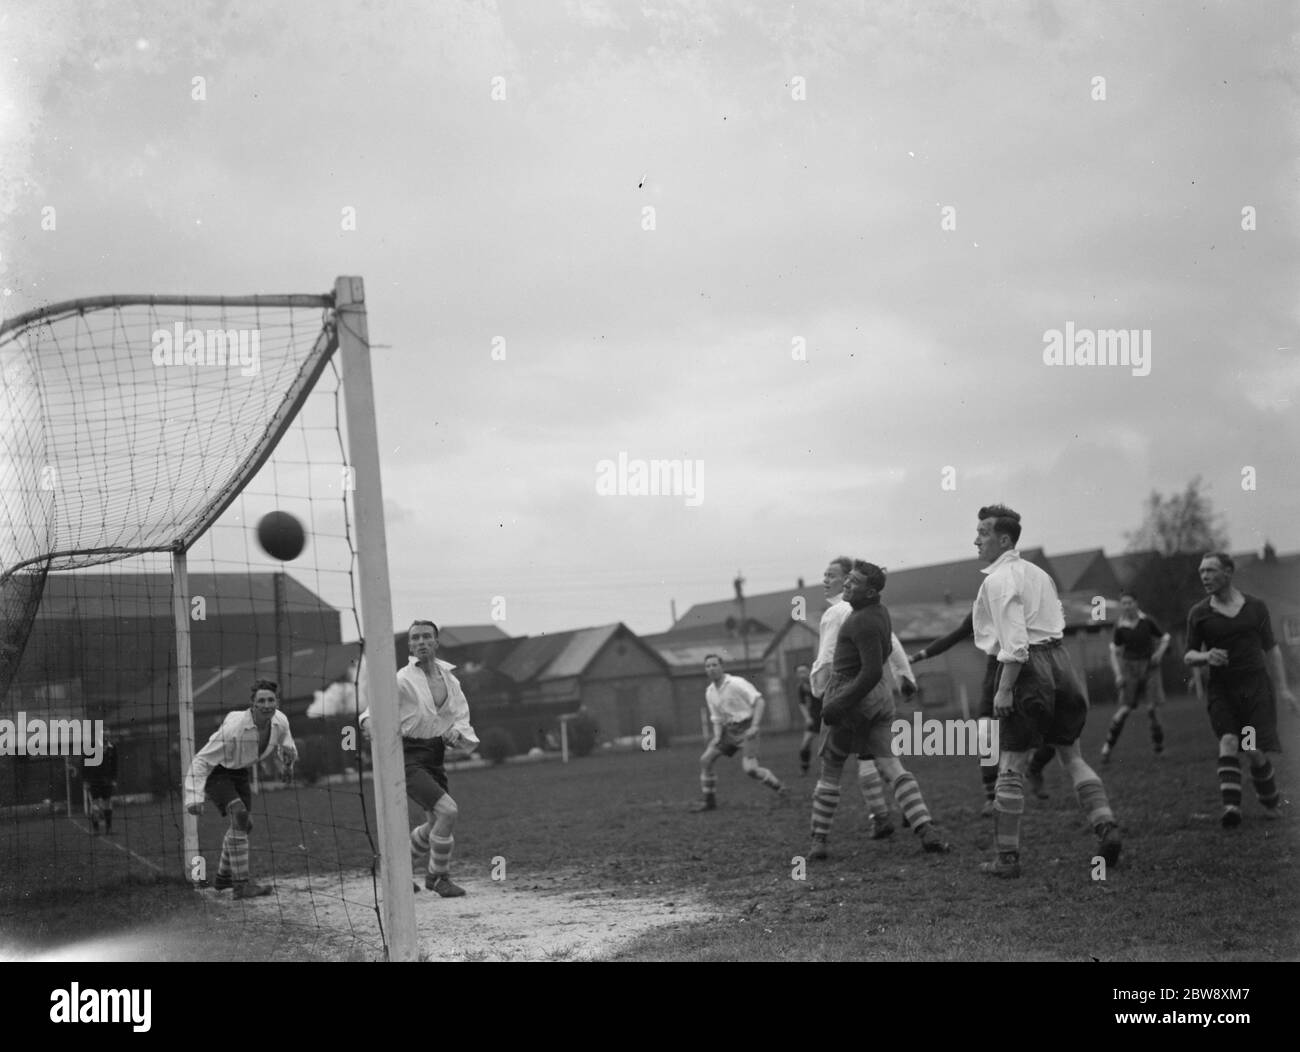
[[799, 316]]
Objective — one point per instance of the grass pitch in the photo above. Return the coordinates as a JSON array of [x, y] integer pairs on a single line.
[[616, 825]]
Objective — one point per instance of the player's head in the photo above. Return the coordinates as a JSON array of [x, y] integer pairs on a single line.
[[1216, 571], [998, 532], [422, 640], [865, 582], [713, 667], [836, 571], [264, 700], [1128, 605]]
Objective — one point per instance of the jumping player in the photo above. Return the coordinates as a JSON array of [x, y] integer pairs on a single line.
[[1138, 647], [859, 710], [1017, 617], [434, 715], [1230, 633], [220, 769], [736, 710]]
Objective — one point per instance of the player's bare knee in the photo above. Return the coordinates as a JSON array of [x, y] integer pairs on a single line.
[[446, 808], [750, 766], [890, 767], [1017, 762], [1229, 745], [240, 819]]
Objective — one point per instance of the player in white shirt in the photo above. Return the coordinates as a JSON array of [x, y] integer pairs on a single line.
[[434, 714], [219, 772], [1017, 617], [736, 710]]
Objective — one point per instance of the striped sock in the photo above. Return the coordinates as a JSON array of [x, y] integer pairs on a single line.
[[872, 786], [709, 785], [1157, 732], [236, 844], [1265, 786], [440, 856], [908, 795], [1116, 726], [223, 867], [420, 843], [1009, 805], [1230, 780], [1092, 798], [826, 797], [989, 776]]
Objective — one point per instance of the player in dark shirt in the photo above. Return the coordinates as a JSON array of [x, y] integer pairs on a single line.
[[811, 707], [858, 709], [101, 784], [1136, 651], [1230, 633]]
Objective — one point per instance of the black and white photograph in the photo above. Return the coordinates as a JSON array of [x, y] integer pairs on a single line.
[[668, 481]]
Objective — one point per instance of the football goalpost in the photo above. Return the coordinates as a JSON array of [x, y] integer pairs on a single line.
[[145, 433]]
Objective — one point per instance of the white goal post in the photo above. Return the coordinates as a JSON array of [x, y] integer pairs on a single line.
[[44, 404]]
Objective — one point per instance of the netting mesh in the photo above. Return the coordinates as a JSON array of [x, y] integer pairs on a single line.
[[130, 432]]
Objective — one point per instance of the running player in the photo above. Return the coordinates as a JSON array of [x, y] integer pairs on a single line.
[[1230, 633], [1017, 617], [736, 710], [434, 715], [859, 710], [1138, 647], [219, 772]]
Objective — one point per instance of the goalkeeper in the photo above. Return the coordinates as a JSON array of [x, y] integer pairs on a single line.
[[434, 714], [219, 771]]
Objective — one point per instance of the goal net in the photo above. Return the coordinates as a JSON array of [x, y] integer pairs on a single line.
[[142, 439]]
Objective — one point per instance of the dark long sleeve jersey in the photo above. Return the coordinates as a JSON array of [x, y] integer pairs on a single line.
[[861, 650]]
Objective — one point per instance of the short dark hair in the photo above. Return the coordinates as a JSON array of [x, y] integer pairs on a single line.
[[844, 563], [873, 574], [1006, 522], [1225, 560], [718, 656], [264, 684], [421, 622]]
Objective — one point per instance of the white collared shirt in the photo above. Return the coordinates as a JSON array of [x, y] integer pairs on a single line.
[[234, 746], [733, 701], [828, 631], [420, 717], [1017, 606]]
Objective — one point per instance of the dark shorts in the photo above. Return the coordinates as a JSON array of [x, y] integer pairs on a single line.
[[426, 778], [814, 722], [731, 738], [866, 733], [1048, 705], [1247, 700], [989, 687], [101, 790], [226, 786]]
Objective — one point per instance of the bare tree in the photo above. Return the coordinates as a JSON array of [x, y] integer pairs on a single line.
[[1184, 522]]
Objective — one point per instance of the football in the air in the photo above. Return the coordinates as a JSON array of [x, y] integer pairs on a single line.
[[281, 536]]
